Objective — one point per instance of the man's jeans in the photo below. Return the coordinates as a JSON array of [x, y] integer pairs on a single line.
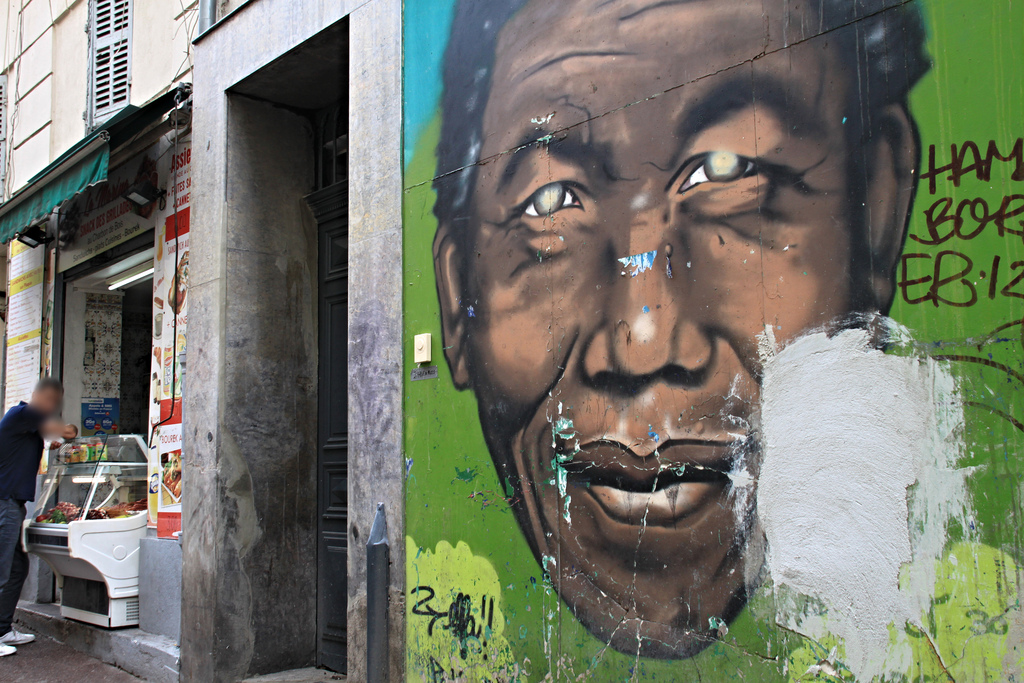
[[13, 561]]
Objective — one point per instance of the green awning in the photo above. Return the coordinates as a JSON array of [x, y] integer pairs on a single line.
[[84, 164], [61, 181]]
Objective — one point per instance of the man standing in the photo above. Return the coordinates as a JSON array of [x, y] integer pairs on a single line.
[[21, 448]]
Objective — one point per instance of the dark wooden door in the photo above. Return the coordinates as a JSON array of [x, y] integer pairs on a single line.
[[330, 207]]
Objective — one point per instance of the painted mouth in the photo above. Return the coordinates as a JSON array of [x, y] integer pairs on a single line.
[[676, 482]]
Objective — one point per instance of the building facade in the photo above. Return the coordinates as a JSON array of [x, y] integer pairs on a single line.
[[96, 174], [293, 398], [586, 340]]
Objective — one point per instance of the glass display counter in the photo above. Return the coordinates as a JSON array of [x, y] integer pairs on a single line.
[[89, 521]]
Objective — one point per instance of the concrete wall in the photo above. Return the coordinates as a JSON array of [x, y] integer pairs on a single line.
[[258, 507], [376, 462], [74, 352], [249, 418], [160, 587]]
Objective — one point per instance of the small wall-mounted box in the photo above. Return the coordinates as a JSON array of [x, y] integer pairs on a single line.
[[421, 348]]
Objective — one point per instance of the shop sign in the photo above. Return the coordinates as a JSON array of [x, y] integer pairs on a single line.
[[100, 416], [101, 218]]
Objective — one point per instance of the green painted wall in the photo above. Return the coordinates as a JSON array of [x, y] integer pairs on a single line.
[[466, 552]]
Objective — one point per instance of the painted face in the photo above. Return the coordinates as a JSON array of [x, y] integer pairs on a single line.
[[621, 274]]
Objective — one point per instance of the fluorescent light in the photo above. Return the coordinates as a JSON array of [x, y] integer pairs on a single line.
[[128, 279], [88, 480]]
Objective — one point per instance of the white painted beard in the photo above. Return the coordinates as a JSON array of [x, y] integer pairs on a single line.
[[848, 547]]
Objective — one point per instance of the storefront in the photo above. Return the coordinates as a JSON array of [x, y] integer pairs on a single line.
[[122, 275], [99, 264]]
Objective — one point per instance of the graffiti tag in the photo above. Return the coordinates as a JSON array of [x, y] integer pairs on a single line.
[[458, 618], [950, 277]]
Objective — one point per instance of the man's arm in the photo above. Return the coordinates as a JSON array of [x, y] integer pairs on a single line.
[[56, 429]]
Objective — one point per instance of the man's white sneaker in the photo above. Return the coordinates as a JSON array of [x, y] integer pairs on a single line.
[[15, 638], [6, 650]]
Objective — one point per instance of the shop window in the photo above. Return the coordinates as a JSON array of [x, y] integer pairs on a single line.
[[110, 32]]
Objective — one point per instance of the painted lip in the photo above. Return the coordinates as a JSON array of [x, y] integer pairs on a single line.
[[678, 481]]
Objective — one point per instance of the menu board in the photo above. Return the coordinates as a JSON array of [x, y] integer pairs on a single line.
[[24, 322]]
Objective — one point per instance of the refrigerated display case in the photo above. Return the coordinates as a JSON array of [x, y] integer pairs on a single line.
[[90, 519]]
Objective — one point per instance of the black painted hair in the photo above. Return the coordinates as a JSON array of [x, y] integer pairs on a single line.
[[884, 38]]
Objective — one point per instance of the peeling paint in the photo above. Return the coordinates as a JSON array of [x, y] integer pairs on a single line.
[[564, 431], [639, 263]]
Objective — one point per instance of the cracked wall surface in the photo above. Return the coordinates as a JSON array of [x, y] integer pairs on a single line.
[[250, 531], [726, 308]]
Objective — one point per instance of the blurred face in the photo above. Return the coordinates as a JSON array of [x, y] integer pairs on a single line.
[[47, 401], [620, 277]]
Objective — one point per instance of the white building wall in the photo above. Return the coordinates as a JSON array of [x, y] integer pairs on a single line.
[[70, 42], [171, 25], [45, 55]]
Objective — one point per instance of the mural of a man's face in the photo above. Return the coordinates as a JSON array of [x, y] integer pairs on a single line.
[[606, 297]]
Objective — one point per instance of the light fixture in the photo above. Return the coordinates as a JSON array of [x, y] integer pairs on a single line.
[[129, 276], [143, 193], [34, 235], [89, 480]]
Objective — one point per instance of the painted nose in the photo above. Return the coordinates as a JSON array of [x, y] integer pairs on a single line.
[[649, 333]]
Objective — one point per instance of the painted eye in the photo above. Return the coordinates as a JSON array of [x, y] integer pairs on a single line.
[[549, 199], [719, 167]]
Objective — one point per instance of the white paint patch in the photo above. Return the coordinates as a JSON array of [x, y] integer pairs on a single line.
[[640, 202], [847, 430], [643, 328]]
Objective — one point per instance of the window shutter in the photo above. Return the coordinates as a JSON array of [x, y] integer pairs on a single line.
[[110, 31]]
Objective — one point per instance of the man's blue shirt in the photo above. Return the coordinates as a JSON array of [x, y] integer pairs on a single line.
[[21, 449]]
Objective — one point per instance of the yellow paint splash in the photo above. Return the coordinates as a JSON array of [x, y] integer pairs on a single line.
[[454, 621]]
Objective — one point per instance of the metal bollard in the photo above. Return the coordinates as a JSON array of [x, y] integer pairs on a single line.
[[378, 559]]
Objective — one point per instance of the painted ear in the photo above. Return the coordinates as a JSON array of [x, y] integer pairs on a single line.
[[892, 167], [447, 272]]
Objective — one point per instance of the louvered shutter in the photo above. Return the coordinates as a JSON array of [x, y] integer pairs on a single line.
[[110, 45]]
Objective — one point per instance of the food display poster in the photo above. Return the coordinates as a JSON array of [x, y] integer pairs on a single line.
[[100, 416], [170, 321], [24, 322]]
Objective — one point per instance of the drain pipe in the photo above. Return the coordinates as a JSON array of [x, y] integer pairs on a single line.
[[378, 560], [207, 15]]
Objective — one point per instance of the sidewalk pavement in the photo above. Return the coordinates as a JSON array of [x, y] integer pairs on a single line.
[[47, 661], [297, 676]]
